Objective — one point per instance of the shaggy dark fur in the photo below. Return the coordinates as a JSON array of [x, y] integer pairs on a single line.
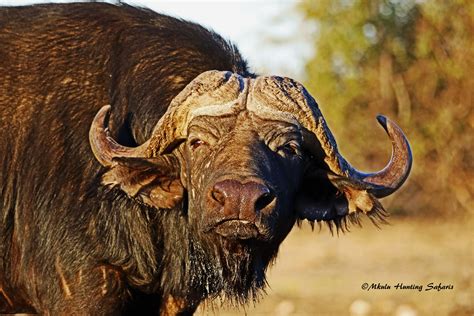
[[61, 234]]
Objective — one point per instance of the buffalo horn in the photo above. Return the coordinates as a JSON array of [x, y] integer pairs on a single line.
[[104, 147], [390, 178], [288, 95]]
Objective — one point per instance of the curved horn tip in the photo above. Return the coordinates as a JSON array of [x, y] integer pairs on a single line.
[[99, 136], [382, 119], [103, 146], [390, 178], [397, 170], [103, 115]]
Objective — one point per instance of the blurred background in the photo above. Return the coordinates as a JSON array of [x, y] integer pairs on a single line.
[[411, 60]]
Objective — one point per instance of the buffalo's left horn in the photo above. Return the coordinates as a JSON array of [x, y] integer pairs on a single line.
[[390, 178], [288, 95], [104, 147]]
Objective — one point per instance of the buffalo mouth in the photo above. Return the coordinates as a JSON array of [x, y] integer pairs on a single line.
[[237, 229]]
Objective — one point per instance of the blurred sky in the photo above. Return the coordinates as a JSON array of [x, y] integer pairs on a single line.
[[271, 34]]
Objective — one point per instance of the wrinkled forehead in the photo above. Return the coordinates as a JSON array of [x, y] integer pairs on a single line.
[[269, 98]]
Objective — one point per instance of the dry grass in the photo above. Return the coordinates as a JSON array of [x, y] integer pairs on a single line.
[[320, 274]]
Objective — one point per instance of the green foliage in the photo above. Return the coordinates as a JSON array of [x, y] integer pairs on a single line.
[[411, 60]]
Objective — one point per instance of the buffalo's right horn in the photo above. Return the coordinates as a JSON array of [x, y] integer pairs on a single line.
[[104, 147], [212, 89]]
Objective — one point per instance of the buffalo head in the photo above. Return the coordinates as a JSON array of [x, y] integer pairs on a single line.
[[245, 158]]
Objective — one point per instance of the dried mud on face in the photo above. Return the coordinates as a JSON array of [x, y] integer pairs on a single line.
[[319, 274]]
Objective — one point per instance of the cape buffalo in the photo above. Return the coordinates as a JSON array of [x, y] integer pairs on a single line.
[[145, 169]]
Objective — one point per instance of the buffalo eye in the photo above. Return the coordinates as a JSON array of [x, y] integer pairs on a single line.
[[195, 143], [291, 148]]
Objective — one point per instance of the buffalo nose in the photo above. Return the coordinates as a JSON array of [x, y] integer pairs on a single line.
[[242, 200]]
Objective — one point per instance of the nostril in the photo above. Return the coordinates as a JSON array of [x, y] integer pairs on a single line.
[[240, 199], [264, 200], [218, 196]]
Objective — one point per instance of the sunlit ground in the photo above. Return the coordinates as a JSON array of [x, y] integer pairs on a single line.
[[320, 274]]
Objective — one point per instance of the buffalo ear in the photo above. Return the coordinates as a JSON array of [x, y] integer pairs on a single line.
[[328, 197], [153, 181]]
